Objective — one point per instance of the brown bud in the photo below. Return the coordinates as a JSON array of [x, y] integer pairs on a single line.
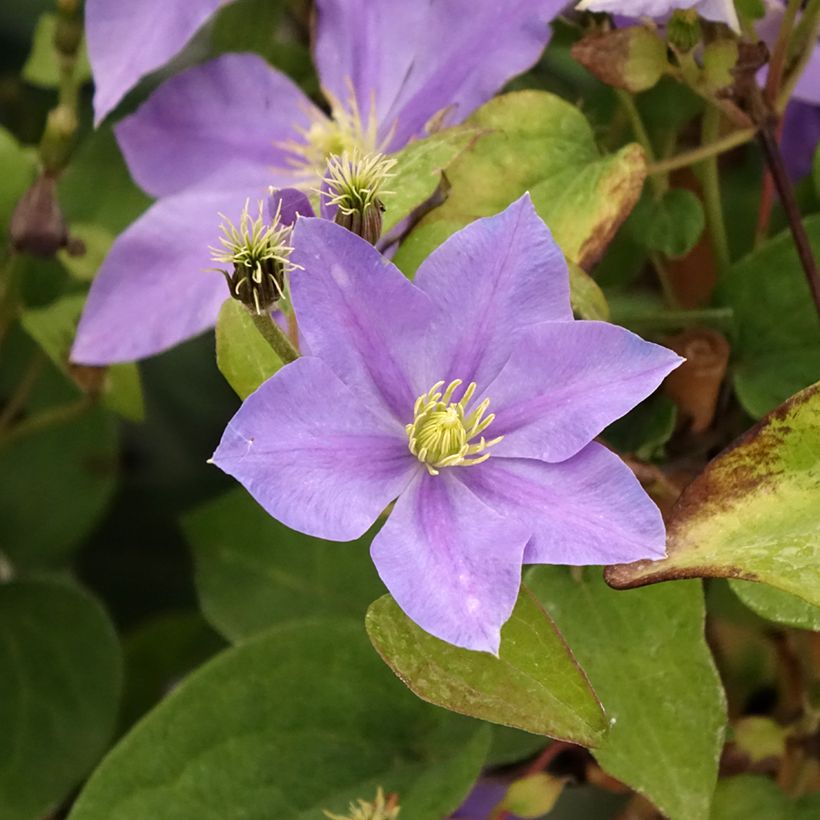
[[695, 385], [37, 224], [632, 58]]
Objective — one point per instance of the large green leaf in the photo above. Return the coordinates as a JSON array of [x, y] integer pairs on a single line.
[[253, 572], [243, 356], [750, 797], [59, 690], [776, 605], [296, 720], [752, 513], [534, 684], [418, 170], [539, 143], [777, 342], [646, 657]]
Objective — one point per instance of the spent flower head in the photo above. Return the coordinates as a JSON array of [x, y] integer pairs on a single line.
[[488, 315], [354, 187], [382, 808], [258, 253]]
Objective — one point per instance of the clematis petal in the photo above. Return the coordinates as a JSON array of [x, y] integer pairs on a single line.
[[308, 451], [415, 59], [126, 41], [721, 11], [289, 203], [589, 509], [155, 287], [566, 381], [492, 279], [452, 564], [361, 316], [206, 117]]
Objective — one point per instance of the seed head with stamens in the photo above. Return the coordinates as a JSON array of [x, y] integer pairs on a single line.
[[260, 256], [354, 184], [442, 432]]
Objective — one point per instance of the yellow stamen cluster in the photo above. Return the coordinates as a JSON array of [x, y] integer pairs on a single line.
[[354, 180], [442, 432], [259, 254], [382, 808], [345, 130]]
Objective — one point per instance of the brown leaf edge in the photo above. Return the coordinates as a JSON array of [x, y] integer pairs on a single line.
[[706, 489]]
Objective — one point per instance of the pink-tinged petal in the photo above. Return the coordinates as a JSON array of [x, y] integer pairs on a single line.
[[566, 381], [234, 108], [361, 316], [589, 509], [154, 288], [452, 563], [308, 451], [127, 40], [415, 59], [289, 203], [492, 279]]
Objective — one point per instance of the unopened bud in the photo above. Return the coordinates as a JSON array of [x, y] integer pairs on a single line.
[[353, 186], [683, 30], [632, 58], [58, 138], [259, 255], [37, 224], [719, 61]]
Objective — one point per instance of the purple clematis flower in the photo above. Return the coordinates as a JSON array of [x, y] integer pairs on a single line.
[[472, 396], [222, 132], [721, 11]]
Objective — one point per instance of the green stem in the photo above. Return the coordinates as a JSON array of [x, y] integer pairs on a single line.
[[805, 35], [19, 397], [673, 319], [53, 417], [704, 152], [658, 182], [777, 63], [710, 182], [275, 337]]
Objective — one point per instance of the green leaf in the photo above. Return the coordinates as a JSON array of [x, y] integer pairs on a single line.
[[63, 479], [647, 659], [53, 328], [588, 300], [158, 654], [58, 693], [672, 225], [541, 144], [42, 67], [253, 572], [18, 166], [296, 720], [778, 606], [243, 356], [777, 342], [749, 797], [512, 745], [97, 241], [752, 513], [534, 684], [645, 429], [419, 168]]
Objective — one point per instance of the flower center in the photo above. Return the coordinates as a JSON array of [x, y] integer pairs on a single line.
[[346, 130], [442, 432]]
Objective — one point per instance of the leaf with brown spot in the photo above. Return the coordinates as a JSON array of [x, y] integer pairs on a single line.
[[754, 512], [535, 142]]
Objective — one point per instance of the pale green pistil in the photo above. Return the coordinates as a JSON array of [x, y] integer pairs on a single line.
[[443, 434]]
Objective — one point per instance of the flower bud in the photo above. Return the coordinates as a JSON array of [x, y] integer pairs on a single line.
[[260, 258], [631, 58], [683, 30], [37, 224], [353, 187], [719, 59]]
